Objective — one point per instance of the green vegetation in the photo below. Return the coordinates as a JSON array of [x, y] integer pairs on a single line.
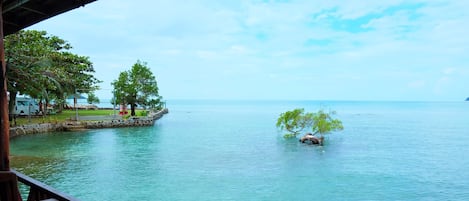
[[297, 120], [92, 98], [323, 123], [137, 86], [294, 121], [142, 113], [41, 66], [61, 117]]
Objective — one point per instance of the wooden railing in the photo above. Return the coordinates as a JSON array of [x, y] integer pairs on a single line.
[[40, 191]]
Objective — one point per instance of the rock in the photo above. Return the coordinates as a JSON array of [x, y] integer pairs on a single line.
[[73, 126], [310, 137]]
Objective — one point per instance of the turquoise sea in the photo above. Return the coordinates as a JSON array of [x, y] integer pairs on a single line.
[[231, 150]]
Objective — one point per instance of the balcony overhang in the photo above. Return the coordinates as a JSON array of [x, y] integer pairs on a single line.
[[19, 14]]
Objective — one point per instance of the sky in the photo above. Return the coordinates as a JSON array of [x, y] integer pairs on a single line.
[[399, 50]]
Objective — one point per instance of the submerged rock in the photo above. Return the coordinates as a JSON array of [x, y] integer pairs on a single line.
[[310, 137]]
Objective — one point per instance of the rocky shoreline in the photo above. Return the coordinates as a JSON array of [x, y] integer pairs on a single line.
[[82, 125]]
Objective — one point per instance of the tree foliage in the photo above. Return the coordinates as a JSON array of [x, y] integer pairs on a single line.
[[137, 86], [324, 123], [297, 120], [40, 65], [92, 98], [294, 121]]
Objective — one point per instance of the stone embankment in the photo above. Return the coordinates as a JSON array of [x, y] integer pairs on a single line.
[[82, 125]]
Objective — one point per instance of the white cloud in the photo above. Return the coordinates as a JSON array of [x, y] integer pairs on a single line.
[[449, 71], [238, 49], [353, 10], [417, 84], [206, 54], [440, 85], [172, 52]]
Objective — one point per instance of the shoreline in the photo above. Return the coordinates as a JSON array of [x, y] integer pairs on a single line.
[[84, 125]]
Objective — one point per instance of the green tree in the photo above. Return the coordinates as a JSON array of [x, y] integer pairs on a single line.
[[324, 123], [294, 121], [92, 98], [75, 74], [27, 53], [40, 65], [136, 86], [297, 120], [156, 104]]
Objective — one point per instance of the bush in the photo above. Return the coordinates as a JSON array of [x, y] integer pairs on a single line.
[[142, 113]]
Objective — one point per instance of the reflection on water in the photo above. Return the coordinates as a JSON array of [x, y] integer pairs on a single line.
[[37, 167], [40, 168]]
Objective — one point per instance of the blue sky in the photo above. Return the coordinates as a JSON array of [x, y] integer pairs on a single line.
[[289, 50]]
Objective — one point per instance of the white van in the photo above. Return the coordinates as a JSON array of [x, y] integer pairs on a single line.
[[26, 106]]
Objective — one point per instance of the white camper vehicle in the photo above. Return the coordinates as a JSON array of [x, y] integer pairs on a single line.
[[26, 106]]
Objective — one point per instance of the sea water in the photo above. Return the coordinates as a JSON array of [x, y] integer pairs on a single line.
[[231, 150]]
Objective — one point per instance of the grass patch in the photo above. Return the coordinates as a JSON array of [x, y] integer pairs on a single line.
[[60, 117]]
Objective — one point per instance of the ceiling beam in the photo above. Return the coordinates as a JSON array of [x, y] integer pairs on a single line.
[[14, 5], [34, 11]]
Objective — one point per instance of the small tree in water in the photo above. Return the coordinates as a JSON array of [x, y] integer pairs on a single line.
[[297, 120], [294, 122], [323, 123]]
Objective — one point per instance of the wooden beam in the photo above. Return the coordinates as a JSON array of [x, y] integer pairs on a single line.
[[13, 5], [4, 122], [34, 11]]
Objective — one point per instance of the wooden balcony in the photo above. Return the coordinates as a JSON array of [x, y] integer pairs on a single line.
[[17, 15], [37, 190]]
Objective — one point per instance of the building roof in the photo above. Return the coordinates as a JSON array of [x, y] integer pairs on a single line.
[[19, 14]]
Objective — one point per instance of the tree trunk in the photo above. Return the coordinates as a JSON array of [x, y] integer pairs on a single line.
[[40, 107], [61, 104], [12, 104], [74, 102], [132, 109], [44, 113]]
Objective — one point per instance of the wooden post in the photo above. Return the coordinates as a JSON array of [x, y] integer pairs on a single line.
[[4, 122]]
